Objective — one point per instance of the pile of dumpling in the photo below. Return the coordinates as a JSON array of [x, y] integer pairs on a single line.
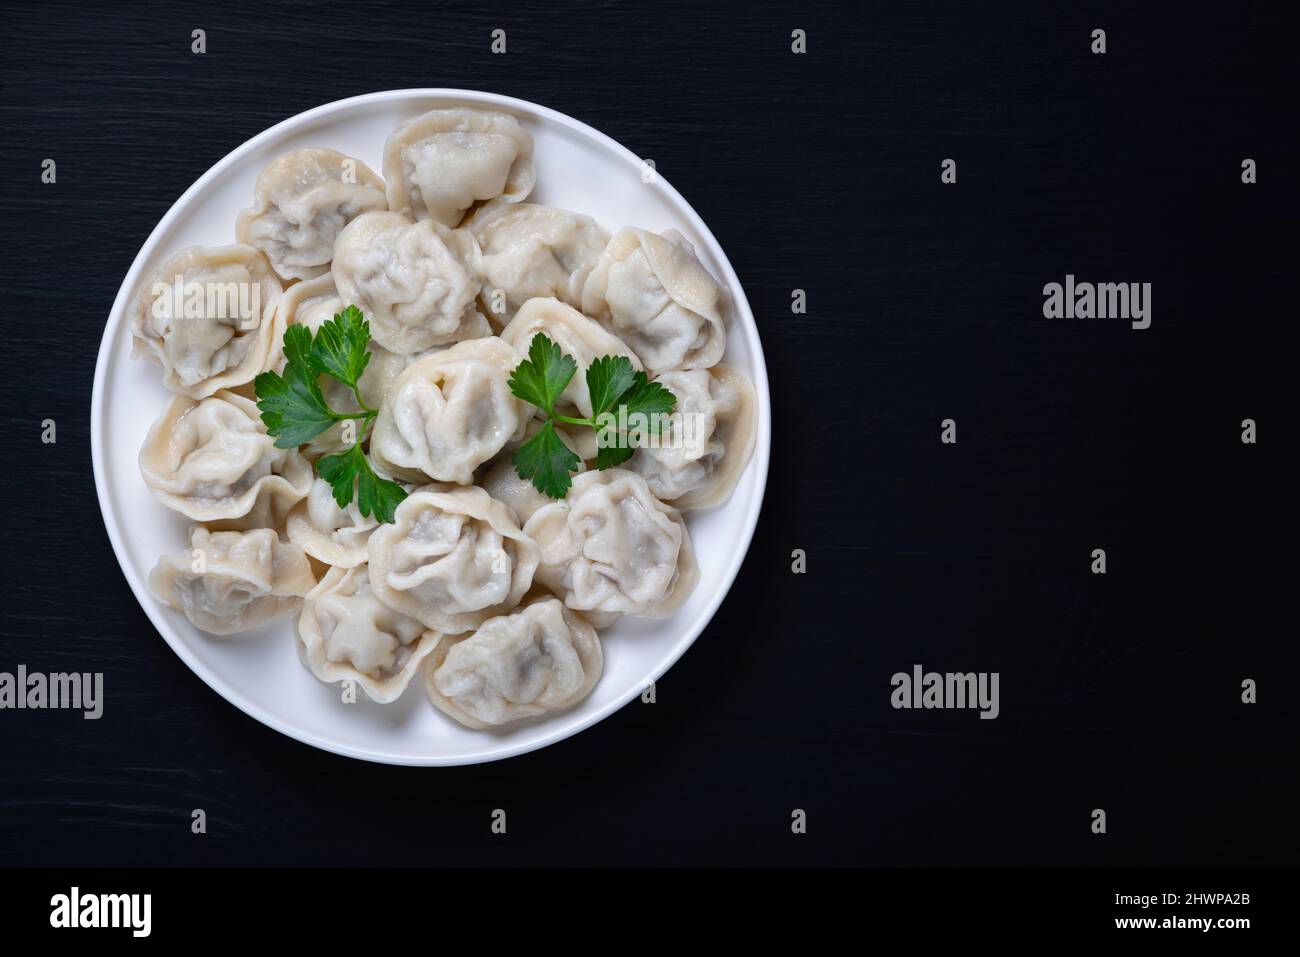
[[493, 589]]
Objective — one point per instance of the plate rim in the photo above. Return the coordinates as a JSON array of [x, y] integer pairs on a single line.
[[234, 695]]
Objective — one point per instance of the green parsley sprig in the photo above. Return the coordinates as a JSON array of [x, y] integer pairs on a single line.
[[295, 411], [618, 394]]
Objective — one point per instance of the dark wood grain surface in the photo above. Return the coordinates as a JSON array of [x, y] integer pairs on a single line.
[[818, 172]]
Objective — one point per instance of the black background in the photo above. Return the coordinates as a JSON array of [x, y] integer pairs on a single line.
[[818, 172]]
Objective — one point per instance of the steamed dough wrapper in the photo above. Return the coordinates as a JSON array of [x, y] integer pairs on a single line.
[[448, 413], [208, 318], [576, 335], [440, 164], [653, 292], [345, 633], [532, 251], [312, 303], [330, 534], [212, 461], [414, 282], [302, 201], [538, 659], [697, 464], [611, 548], [229, 582], [452, 558]]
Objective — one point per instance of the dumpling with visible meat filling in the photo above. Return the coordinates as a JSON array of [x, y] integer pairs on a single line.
[[536, 660], [697, 462], [345, 633], [211, 460], [532, 251], [440, 164], [301, 203], [653, 292], [413, 281], [448, 413], [452, 558], [228, 582], [208, 317], [610, 547]]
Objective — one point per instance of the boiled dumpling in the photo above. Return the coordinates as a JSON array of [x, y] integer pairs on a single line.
[[535, 660], [229, 582], [697, 463], [532, 251], [345, 633], [209, 319], [439, 164], [302, 201], [212, 460], [413, 281], [452, 558], [316, 301], [654, 293], [330, 534], [448, 413], [610, 547], [575, 334]]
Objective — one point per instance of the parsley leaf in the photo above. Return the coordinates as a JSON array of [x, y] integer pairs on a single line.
[[292, 405], [297, 347], [610, 456], [547, 461], [342, 346], [647, 398], [541, 377], [351, 469], [607, 379]]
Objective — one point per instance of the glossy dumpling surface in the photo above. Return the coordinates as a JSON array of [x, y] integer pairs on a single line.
[[654, 293], [441, 163], [208, 318], [452, 558], [611, 547], [302, 201], [413, 281], [345, 633], [228, 582], [211, 459], [535, 660]]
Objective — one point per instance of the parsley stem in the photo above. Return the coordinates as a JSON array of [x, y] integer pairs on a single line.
[[573, 421]]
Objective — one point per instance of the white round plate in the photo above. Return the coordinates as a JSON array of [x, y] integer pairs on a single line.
[[259, 672]]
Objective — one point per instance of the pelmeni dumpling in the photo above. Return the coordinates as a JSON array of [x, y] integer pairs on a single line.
[[439, 164], [212, 460], [452, 558], [697, 462], [532, 251], [575, 334], [414, 281], [653, 292], [448, 413], [345, 633], [330, 534], [538, 659], [302, 201], [503, 483], [229, 582], [209, 319], [610, 547], [311, 303]]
